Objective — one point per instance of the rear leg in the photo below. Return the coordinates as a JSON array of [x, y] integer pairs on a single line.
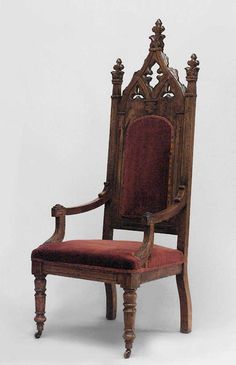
[[185, 303], [111, 301]]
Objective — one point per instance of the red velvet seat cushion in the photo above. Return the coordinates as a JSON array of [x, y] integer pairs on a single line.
[[105, 253]]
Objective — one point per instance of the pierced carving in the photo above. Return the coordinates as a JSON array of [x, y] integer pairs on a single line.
[[137, 93], [148, 75], [159, 74], [153, 70], [168, 93], [153, 76], [157, 39], [117, 74], [192, 69]]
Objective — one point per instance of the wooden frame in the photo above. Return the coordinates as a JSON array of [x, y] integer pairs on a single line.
[[171, 99]]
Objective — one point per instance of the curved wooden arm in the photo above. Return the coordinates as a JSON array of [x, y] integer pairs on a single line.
[[150, 220], [102, 198], [169, 212], [60, 212]]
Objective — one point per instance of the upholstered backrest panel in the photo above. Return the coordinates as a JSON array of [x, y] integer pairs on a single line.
[[146, 166]]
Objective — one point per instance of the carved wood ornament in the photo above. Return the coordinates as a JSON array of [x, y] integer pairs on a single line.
[[154, 93]]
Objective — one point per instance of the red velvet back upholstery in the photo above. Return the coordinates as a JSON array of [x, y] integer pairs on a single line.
[[146, 166]]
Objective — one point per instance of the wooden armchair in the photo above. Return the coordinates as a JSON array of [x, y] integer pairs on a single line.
[[147, 189]]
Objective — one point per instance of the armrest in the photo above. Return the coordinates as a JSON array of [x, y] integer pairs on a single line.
[[169, 212], [103, 197], [60, 212], [150, 220]]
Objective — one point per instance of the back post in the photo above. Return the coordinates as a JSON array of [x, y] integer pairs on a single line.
[[183, 227], [117, 79], [187, 158]]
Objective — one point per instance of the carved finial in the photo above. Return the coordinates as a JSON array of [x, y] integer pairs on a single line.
[[117, 74], [157, 39], [118, 66], [192, 69]]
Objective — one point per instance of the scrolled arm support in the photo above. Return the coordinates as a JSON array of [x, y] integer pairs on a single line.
[[60, 224], [149, 221], [60, 212], [144, 251]]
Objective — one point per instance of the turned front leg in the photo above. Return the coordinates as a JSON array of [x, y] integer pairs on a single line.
[[129, 319], [40, 301]]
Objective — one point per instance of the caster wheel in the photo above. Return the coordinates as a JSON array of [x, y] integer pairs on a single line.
[[127, 353], [38, 334]]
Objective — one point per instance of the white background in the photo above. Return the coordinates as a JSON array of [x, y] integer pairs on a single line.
[[55, 63]]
